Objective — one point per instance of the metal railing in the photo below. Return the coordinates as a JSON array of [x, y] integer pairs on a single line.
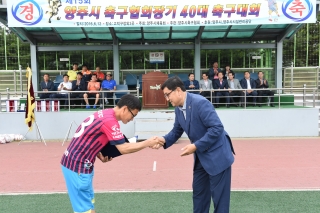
[[308, 98], [299, 77], [16, 80]]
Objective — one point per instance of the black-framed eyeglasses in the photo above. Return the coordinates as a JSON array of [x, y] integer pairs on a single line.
[[168, 94], [133, 115]]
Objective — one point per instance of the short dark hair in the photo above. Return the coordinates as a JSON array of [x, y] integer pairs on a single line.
[[205, 73], [190, 74], [65, 75], [245, 72], [231, 73], [227, 65], [94, 75], [46, 74], [131, 101], [220, 72], [172, 83], [97, 67], [75, 64], [259, 72], [84, 66], [79, 73]]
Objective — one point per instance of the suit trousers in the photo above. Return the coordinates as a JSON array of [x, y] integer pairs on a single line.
[[226, 94], [236, 93], [206, 94], [265, 93], [207, 186]]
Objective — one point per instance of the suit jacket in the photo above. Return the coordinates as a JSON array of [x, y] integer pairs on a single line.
[[82, 86], [264, 85], [244, 85], [203, 85], [236, 84], [211, 73], [195, 83], [205, 131], [217, 85], [49, 86]]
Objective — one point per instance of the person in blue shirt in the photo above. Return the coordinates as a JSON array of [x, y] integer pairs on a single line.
[[108, 85]]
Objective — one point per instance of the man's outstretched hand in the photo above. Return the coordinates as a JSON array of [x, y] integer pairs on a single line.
[[160, 144], [103, 159], [189, 149]]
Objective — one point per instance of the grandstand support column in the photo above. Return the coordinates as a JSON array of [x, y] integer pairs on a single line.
[[278, 67], [34, 66], [197, 59], [116, 67]]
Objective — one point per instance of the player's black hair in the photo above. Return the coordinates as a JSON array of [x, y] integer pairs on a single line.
[[65, 75], [172, 84], [190, 74], [220, 72], [131, 101]]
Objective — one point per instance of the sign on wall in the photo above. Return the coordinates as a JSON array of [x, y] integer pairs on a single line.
[[156, 57], [140, 13]]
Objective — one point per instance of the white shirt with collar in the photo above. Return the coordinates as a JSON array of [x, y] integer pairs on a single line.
[[248, 83]]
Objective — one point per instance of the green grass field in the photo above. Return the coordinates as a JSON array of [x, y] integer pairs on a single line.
[[166, 202]]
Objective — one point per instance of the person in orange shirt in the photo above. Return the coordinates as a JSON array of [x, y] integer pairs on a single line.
[[86, 74], [93, 88], [99, 74]]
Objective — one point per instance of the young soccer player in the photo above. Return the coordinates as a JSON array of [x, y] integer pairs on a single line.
[[91, 136]]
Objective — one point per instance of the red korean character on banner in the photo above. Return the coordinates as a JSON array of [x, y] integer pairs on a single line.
[[254, 10], [232, 9], [70, 11], [146, 11], [242, 10], [134, 12], [217, 10], [203, 11], [109, 12], [158, 12], [95, 12], [297, 7], [171, 9], [125, 12], [82, 11], [29, 10]]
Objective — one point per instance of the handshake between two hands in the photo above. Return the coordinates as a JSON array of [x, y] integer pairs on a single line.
[[157, 142]]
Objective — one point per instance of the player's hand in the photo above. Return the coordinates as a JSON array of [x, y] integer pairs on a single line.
[[189, 149], [103, 159], [155, 141]]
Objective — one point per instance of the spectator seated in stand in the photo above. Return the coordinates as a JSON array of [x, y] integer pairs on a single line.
[[234, 84], [191, 84], [206, 87], [77, 85], [221, 84], [108, 85], [249, 84], [86, 74], [73, 73], [46, 85], [262, 83], [64, 88], [100, 75], [213, 72], [93, 88]]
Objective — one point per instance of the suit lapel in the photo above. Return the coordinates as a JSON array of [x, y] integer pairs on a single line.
[[188, 112]]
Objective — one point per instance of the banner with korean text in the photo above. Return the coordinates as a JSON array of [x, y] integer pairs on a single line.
[[141, 13]]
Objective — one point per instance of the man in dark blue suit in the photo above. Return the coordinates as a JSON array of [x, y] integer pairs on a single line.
[[46, 85], [249, 84], [221, 84], [210, 145], [192, 84]]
